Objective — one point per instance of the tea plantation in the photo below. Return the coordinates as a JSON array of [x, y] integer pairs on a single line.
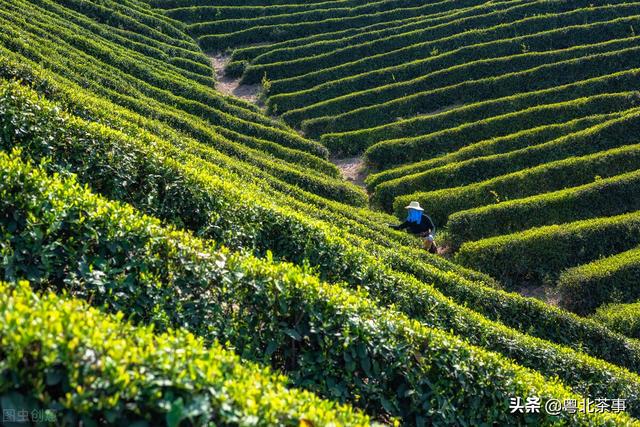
[[174, 255]]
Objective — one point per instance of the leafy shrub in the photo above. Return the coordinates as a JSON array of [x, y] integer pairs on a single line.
[[96, 154], [624, 318], [538, 255], [613, 279], [614, 133], [271, 312], [604, 197], [442, 132], [379, 85], [580, 64], [85, 367], [150, 87], [452, 41], [221, 35], [544, 178], [448, 34], [498, 145]]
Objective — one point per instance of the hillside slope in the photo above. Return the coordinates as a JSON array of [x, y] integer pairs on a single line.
[[129, 182], [472, 108]]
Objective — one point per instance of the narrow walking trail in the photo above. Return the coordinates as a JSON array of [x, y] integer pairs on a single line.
[[232, 86], [353, 169]]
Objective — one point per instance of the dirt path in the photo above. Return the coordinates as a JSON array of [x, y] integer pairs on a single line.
[[231, 86], [352, 168]]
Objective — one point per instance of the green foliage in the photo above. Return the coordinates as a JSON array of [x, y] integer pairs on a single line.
[[85, 367], [471, 23], [327, 338], [309, 44], [480, 60], [250, 150], [300, 93], [624, 318], [218, 35], [442, 132], [118, 95], [295, 62], [608, 280], [88, 156], [548, 177], [538, 255], [604, 197], [614, 133], [492, 146], [235, 69], [500, 79], [151, 87]]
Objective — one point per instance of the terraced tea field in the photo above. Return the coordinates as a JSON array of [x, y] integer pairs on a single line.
[[172, 254], [498, 116]]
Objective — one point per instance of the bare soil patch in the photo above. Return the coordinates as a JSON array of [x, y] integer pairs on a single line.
[[353, 169], [231, 86]]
